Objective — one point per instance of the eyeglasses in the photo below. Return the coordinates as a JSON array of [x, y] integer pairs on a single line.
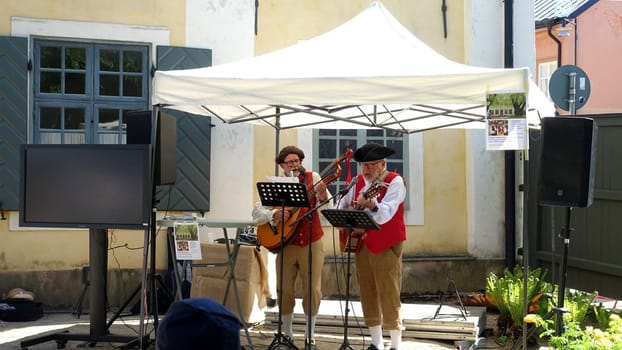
[[292, 162], [370, 164]]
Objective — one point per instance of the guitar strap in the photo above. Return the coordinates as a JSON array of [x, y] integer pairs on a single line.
[[307, 179], [383, 175]]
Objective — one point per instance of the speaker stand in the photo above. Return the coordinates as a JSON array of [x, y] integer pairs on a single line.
[[566, 231]]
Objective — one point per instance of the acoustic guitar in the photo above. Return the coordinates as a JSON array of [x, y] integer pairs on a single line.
[[270, 236], [350, 240]]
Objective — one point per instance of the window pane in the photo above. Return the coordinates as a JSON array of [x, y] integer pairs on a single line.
[[75, 58], [50, 57], [51, 138], [327, 149], [346, 143], [394, 133], [108, 119], [328, 132], [325, 166], [132, 61], [75, 83], [398, 146], [74, 118], [50, 82], [108, 85], [375, 132], [132, 86], [49, 118], [74, 138], [109, 138], [397, 167], [347, 132], [109, 60]]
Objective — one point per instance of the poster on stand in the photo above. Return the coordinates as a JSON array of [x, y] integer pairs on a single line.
[[506, 121], [187, 242]]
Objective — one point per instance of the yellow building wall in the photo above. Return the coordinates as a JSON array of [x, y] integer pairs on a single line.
[[284, 23], [38, 249], [171, 14], [280, 24]]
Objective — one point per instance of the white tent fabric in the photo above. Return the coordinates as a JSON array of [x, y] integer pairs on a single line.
[[368, 72]]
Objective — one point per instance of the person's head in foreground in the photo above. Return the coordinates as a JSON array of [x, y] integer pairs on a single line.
[[198, 323]]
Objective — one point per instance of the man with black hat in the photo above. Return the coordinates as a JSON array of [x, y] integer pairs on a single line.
[[379, 258]]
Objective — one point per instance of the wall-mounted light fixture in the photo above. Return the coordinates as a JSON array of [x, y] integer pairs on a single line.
[[564, 29]]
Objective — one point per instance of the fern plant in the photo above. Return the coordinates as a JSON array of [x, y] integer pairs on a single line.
[[507, 293], [578, 303]]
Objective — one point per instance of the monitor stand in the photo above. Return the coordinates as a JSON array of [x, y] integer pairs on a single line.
[[98, 331]]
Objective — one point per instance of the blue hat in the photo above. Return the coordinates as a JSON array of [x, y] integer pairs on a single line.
[[198, 323]]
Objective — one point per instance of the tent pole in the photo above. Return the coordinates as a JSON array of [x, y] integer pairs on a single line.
[[277, 132]]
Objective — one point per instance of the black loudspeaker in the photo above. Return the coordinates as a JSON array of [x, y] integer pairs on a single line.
[[138, 127], [139, 132], [166, 150], [567, 161]]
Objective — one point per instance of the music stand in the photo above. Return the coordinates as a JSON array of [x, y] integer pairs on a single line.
[[349, 219], [283, 194]]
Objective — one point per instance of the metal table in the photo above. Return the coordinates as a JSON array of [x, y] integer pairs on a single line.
[[232, 254]]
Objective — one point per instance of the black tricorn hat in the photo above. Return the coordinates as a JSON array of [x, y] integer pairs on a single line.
[[371, 152]]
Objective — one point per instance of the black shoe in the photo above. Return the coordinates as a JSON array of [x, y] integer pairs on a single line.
[[372, 347], [270, 302]]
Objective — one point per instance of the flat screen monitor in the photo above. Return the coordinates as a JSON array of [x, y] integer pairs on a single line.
[[85, 186]]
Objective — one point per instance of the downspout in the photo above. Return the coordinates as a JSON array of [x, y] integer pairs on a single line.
[[549, 27], [510, 171]]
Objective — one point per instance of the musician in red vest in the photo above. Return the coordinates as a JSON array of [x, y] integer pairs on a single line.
[[379, 258], [295, 251]]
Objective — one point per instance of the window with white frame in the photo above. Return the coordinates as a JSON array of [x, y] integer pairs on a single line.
[[545, 71], [331, 143], [83, 91]]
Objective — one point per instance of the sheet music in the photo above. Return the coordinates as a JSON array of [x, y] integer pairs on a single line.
[[287, 179]]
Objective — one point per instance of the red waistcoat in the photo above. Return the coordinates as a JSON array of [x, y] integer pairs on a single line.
[[392, 231]]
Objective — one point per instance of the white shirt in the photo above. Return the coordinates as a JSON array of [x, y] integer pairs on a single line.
[[396, 193]]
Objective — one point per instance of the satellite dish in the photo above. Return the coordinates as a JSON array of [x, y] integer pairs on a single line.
[[559, 87]]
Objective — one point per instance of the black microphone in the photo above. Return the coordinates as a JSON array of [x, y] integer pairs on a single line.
[[345, 190]]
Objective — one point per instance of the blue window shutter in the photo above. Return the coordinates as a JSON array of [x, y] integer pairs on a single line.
[[13, 118], [191, 190]]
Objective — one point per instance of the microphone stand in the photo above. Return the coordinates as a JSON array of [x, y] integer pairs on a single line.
[[282, 194], [309, 216], [349, 219]]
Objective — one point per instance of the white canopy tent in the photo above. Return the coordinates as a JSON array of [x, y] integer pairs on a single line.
[[370, 72]]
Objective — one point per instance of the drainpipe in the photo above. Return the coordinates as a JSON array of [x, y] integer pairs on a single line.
[[510, 171], [549, 27]]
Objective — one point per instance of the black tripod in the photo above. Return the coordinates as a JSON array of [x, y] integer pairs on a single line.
[[149, 282], [275, 194], [349, 219]]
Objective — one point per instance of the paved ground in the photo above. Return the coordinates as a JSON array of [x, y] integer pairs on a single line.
[[262, 336]]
